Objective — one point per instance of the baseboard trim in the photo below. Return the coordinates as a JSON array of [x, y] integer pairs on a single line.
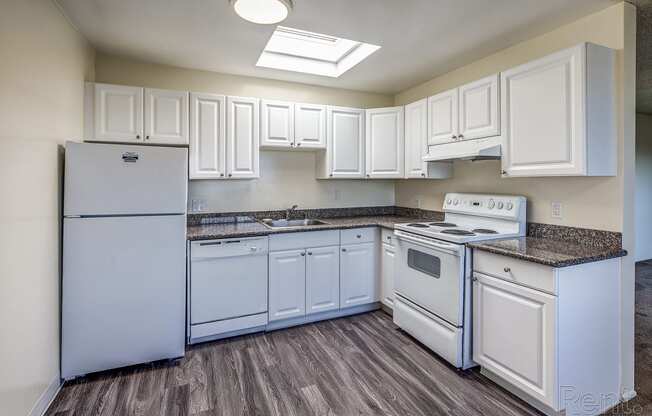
[[628, 395], [47, 397]]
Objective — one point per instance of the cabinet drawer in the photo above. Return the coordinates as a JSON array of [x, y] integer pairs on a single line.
[[524, 273], [228, 247], [387, 236], [306, 239], [359, 235]]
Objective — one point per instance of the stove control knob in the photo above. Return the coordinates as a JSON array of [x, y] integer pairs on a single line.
[[500, 204], [491, 204], [449, 202], [509, 206], [457, 201]]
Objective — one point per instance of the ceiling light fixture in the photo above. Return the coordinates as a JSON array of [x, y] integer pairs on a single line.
[[263, 12]]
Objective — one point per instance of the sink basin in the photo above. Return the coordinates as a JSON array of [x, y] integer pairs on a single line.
[[292, 223]]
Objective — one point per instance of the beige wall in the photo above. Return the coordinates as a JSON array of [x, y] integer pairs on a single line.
[[294, 182], [43, 65], [643, 205], [603, 203]]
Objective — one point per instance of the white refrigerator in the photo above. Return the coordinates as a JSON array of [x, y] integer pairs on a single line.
[[124, 256]]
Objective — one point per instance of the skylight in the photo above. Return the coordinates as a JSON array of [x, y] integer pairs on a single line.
[[313, 53]]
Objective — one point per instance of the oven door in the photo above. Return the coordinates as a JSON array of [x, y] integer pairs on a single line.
[[430, 273]]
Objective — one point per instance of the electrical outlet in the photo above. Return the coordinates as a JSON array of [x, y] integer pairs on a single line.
[[197, 205], [556, 211]]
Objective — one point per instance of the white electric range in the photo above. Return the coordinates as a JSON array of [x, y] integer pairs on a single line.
[[433, 269]]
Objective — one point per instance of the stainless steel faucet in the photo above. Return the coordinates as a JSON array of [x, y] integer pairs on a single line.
[[289, 211]]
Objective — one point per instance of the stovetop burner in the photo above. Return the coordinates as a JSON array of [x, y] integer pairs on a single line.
[[443, 224], [457, 232], [417, 225], [485, 231]]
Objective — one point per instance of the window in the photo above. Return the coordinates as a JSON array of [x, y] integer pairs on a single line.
[[313, 53]]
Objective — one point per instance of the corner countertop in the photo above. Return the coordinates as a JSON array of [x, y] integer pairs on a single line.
[[550, 252], [255, 229]]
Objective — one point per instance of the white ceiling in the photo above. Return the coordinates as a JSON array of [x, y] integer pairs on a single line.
[[420, 38]]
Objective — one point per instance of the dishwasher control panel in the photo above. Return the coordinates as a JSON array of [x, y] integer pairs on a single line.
[[228, 247]]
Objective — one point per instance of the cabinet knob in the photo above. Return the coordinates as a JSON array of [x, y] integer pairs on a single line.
[[368, 175], [303, 254], [461, 136], [146, 137], [504, 172], [343, 249], [138, 136], [358, 236], [230, 175], [475, 279], [298, 144], [389, 237], [310, 253], [291, 144], [331, 175], [507, 269], [454, 137], [423, 175], [221, 174]]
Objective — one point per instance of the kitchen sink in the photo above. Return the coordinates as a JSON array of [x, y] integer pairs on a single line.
[[292, 223]]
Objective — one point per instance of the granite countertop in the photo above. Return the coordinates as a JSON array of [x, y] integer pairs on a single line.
[[550, 252], [255, 229]]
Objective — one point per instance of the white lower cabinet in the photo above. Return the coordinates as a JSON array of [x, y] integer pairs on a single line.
[[387, 263], [549, 335], [322, 279], [287, 284], [358, 282], [523, 351]]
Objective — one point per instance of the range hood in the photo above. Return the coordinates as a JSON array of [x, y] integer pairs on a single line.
[[478, 149]]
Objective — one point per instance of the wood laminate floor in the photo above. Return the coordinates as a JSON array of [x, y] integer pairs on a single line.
[[360, 365]]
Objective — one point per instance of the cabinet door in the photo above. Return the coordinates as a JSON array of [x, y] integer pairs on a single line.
[[442, 117], [242, 137], [118, 113], [385, 144], [388, 253], [207, 136], [479, 109], [358, 283], [322, 279], [310, 126], [542, 107], [277, 124], [166, 116], [514, 335], [346, 142], [416, 138], [287, 284]]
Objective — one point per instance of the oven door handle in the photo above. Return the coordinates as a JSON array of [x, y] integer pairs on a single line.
[[454, 248]]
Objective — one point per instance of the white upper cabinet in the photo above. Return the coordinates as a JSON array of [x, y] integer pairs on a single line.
[[118, 113], [442, 117], [310, 126], [385, 142], [479, 109], [166, 116], [207, 136], [344, 157], [558, 115], [242, 153], [416, 145], [277, 124]]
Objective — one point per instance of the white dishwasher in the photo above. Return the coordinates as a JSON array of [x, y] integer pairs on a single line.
[[227, 288]]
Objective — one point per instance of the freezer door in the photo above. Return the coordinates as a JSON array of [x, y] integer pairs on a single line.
[[124, 292], [113, 179]]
